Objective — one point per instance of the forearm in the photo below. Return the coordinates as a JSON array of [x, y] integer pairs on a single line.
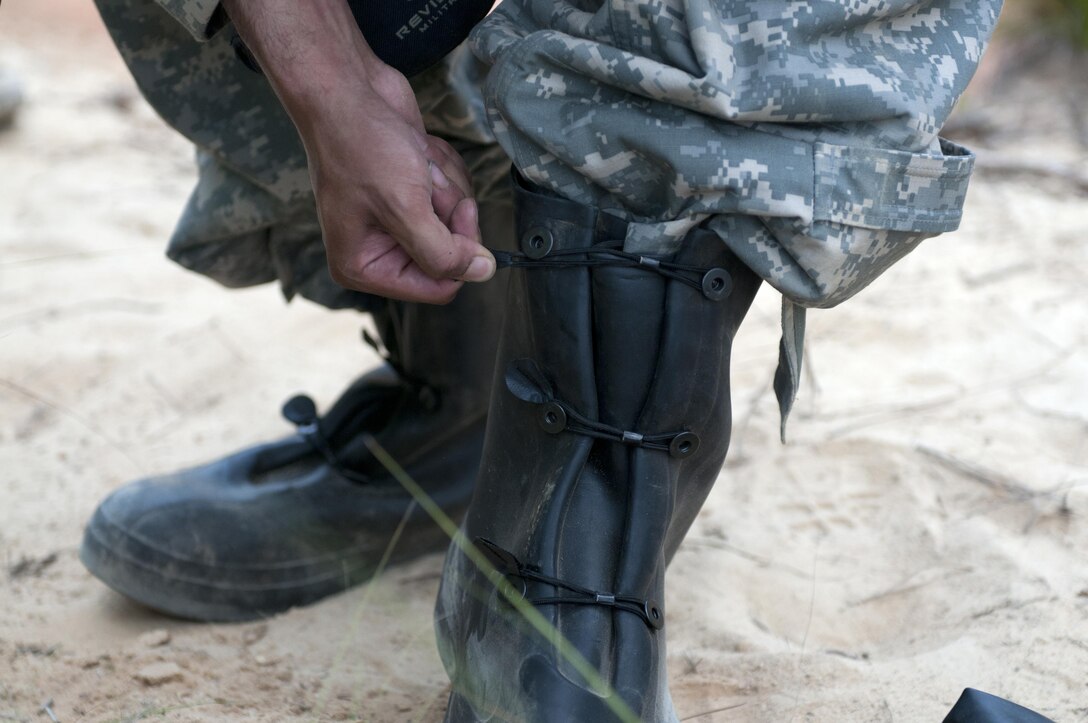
[[312, 53]]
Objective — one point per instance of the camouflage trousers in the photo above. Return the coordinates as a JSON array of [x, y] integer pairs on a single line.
[[804, 134]]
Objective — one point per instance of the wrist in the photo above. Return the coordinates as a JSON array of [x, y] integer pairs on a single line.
[[323, 95], [313, 54]]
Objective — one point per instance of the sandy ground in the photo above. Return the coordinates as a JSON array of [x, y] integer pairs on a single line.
[[924, 530]]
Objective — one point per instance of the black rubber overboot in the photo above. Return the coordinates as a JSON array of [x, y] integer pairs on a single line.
[[287, 523], [600, 450], [974, 706]]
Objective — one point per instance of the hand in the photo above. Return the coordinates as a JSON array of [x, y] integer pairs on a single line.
[[395, 204]]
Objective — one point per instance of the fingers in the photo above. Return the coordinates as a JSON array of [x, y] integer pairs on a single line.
[[445, 197], [465, 222], [451, 163], [440, 251], [408, 228], [382, 266], [464, 219], [450, 180], [407, 253]]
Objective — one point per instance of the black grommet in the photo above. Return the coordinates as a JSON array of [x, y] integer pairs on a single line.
[[684, 445], [300, 410], [537, 242], [717, 284], [552, 418], [655, 616]]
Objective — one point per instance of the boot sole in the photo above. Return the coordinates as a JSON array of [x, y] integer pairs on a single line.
[[192, 591]]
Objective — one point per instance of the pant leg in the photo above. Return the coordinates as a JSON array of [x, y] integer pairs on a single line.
[[810, 117], [804, 134]]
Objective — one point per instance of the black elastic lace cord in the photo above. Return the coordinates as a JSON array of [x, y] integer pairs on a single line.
[[558, 416], [302, 412], [712, 282], [509, 566], [601, 255], [582, 425]]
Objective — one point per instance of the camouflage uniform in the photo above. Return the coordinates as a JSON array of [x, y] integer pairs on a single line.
[[803, 134]]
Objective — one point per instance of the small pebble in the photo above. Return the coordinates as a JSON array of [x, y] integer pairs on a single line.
[[158, 673], [88, 663], [154, 638]]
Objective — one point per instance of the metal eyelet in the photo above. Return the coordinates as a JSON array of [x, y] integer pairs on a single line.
[[552, 418], [655, 616], [717, 284], [537, 242], [684, 445]]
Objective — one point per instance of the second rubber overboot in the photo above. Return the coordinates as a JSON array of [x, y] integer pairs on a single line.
[[609, 424], [287, 523]]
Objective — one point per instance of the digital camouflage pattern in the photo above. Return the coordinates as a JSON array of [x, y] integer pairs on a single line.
[[820, 119], [803, 134]]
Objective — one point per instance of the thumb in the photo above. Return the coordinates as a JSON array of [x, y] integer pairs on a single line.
[[465, 222], [438, 251]]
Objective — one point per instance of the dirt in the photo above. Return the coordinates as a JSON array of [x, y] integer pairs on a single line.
[[923, 530]]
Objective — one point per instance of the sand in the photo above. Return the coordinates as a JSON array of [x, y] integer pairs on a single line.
[[924, 530]]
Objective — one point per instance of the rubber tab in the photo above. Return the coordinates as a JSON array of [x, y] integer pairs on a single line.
[[504, 561], [552, 418], [506, 576], [537, 242], [300, 410], [527, 382], [684, 445], [717, 284]]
